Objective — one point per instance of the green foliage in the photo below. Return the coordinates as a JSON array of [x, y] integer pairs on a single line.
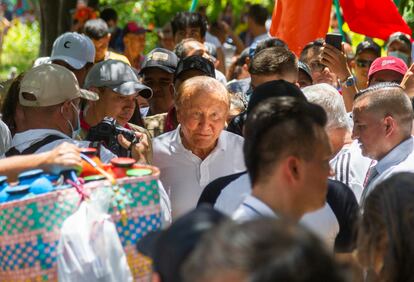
[[406, 8], [20, 47], [156, 13]]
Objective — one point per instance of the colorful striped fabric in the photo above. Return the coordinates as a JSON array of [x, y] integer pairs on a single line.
[[30, 229]]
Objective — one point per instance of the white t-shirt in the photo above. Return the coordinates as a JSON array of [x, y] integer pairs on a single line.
[[184, 175]]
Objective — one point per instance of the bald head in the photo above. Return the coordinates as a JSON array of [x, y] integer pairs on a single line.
[[198, 86]]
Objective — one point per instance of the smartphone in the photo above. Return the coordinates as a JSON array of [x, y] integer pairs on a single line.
[[334, 39]]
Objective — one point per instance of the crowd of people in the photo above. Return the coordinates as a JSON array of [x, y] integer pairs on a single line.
[[274, 167]]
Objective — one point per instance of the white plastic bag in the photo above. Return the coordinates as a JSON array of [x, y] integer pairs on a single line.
[[89, 248]]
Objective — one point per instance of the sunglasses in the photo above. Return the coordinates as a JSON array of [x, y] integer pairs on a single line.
[[363, 63]]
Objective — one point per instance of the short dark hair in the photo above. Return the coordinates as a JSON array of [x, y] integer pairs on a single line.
[[389, 99], [274, 60], [277, 127], [263, 250], [96, 28], [268, 43], [315, 46], [182, 20], [258, 13], [108, 14]]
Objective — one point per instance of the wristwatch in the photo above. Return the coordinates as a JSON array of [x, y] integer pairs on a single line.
[[350, 81]]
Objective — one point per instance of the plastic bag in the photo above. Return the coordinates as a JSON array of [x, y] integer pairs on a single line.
[[89, 248]]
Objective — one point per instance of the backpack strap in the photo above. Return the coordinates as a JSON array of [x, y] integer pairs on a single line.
[[34, 147]]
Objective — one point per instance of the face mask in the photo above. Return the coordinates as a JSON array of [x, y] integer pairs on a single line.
[[76, 131], [111, 29], [400, 55]]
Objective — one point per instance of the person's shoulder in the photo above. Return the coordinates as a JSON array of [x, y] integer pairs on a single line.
[[164, 140], [137, 128], [119, 57], [339, 192], [233, 138]]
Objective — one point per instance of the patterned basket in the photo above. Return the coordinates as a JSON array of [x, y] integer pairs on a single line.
[[30, 229]]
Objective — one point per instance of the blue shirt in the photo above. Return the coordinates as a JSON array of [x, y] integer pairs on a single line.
[[393, 162]]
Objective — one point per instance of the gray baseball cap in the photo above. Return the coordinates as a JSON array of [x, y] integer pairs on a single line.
[[117, 76]]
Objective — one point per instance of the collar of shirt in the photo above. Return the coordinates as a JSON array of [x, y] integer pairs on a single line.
[[24, 139], [395, 156], [177, 145], [258, 207]]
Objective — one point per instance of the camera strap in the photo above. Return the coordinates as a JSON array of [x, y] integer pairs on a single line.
[[34, 147]]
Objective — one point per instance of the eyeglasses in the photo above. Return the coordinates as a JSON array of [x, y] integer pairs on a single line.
[[363, 63]]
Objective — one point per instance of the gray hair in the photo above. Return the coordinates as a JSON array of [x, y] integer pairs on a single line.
[[331, 101]]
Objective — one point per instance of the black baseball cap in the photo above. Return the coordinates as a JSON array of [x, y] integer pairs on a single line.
[[160, 58], [274, 88], [305, 68], [368, 45], [168, 249], [195, 62]]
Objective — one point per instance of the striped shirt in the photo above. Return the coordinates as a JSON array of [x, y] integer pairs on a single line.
[[351, 168]]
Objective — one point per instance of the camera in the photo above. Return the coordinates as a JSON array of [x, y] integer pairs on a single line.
[[106, 132]]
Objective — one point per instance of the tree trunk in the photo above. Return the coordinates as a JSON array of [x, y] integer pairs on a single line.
[[55, 19]]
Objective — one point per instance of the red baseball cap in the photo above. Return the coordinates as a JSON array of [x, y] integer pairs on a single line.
[[387, 63], [133, 27]]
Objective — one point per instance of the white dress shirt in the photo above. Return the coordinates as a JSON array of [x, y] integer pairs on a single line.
[[233, 198], [185, 175]]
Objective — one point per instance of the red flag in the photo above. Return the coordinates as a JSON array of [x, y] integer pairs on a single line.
[[373, 18], [299, 22]]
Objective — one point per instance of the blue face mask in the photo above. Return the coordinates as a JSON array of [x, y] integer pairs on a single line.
[[400, 55]]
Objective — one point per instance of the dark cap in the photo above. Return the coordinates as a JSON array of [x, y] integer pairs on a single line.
[[118, 76], [133, 27], [160, 58], [401, 37], [368, 45], [195, 62], [169, 248], [305, 68], [274, 88]]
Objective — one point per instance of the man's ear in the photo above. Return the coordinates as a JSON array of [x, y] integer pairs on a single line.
[[65, 109], [292, 169], [171, 89], [390, 125]]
